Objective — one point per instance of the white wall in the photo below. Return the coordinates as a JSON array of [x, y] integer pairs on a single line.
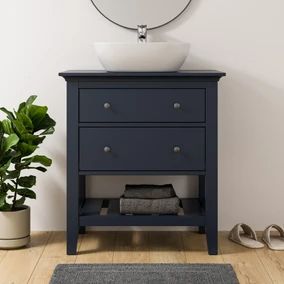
[[243, 38]]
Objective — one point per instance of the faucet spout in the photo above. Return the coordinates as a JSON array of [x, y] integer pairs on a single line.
[[142, 33]]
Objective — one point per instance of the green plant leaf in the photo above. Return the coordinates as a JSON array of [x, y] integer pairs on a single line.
[[26, 193], [30, 100], [22, 107], [13, 174], [26, 149], [7, 126], [10, 187], [26, 121], [41, 169], [16, 155], [6, 207], [28, 181], [1, 130], [43, 160], [10, 141], [19, 127], [32, 139], [2, 199], [5, 167], [48, 131], [20, 201], [6, 187], [37, 114], [10, 115], [46, 123]]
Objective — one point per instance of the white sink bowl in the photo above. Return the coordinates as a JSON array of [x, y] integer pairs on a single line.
[[142, 57]]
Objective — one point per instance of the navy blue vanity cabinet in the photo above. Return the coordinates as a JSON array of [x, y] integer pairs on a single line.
[[141, 124]]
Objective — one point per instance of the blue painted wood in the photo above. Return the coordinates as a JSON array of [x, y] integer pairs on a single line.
[[211, 176], [141, 143], [201, 178], [181, 73], [135, 149], [73, 197], [143, 173], [132, 105], [82, 198], [90, 215], [142, 124], [145, 82]]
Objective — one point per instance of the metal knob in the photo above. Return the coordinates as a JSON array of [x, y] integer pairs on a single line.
[[177, 106], [107, 149], [107, 105], [177, 149]]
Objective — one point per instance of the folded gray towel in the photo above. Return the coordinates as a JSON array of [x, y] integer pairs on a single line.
[[149, 191], [149, 206]]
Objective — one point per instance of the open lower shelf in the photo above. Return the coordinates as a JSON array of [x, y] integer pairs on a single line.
[[105, 212]]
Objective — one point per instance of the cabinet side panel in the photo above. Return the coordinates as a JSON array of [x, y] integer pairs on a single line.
[[72, 167], [211, 178]]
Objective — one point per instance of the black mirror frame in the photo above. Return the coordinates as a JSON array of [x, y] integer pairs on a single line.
[[125, 27]]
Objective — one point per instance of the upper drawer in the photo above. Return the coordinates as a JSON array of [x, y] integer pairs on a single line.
[[142, 105]]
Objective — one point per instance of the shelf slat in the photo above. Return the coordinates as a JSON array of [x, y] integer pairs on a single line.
[[114, 207], [191, 206], [90, 215], [139, 173], [91, 206]]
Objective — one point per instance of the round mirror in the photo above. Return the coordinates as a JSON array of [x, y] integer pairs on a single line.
[[131, 13]]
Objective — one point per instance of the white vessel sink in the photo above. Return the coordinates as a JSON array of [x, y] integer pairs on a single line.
[[142, 57]]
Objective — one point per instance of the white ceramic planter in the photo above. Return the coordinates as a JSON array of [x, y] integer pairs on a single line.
[[15, 228]]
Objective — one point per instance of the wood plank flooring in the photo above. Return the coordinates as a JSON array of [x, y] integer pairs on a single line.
[[36, 263]]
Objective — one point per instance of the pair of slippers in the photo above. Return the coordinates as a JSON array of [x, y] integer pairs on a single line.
[[244, 235]]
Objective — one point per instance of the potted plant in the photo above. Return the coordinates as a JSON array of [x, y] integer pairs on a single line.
[[21, 133]]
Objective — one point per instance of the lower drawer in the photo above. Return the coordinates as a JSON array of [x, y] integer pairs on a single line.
[[153, 149]]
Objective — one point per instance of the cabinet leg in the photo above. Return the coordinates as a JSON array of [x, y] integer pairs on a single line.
[[73, 183], [201, 188], [82, 230], [211, 177], [72, 240], [201, 195], [211, 210], [212, 241], [72, 213], [82, 198], [201, 229]]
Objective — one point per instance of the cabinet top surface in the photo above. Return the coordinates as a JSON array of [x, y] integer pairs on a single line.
[[182, 73]]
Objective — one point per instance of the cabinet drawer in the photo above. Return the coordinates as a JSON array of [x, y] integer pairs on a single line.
[[111, 149], [142, 105]]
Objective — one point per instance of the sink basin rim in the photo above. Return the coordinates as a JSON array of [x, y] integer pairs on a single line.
[[142, 57]]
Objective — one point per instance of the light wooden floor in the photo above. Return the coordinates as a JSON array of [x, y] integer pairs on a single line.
[[35, 264]]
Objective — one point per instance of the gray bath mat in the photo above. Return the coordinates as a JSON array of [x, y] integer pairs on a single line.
[[144, 274]]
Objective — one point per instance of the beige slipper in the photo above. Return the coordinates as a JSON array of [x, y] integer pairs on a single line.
[[244, 235], [275, 242]]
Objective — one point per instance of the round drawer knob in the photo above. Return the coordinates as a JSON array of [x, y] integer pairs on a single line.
[[107, 149], [107, 105], [177, 106], [177, 149]]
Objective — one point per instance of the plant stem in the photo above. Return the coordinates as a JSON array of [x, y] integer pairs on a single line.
[[1, 183], [16, 187], [15, 195]]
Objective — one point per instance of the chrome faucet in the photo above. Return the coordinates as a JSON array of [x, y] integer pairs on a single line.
[[142, 33]]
